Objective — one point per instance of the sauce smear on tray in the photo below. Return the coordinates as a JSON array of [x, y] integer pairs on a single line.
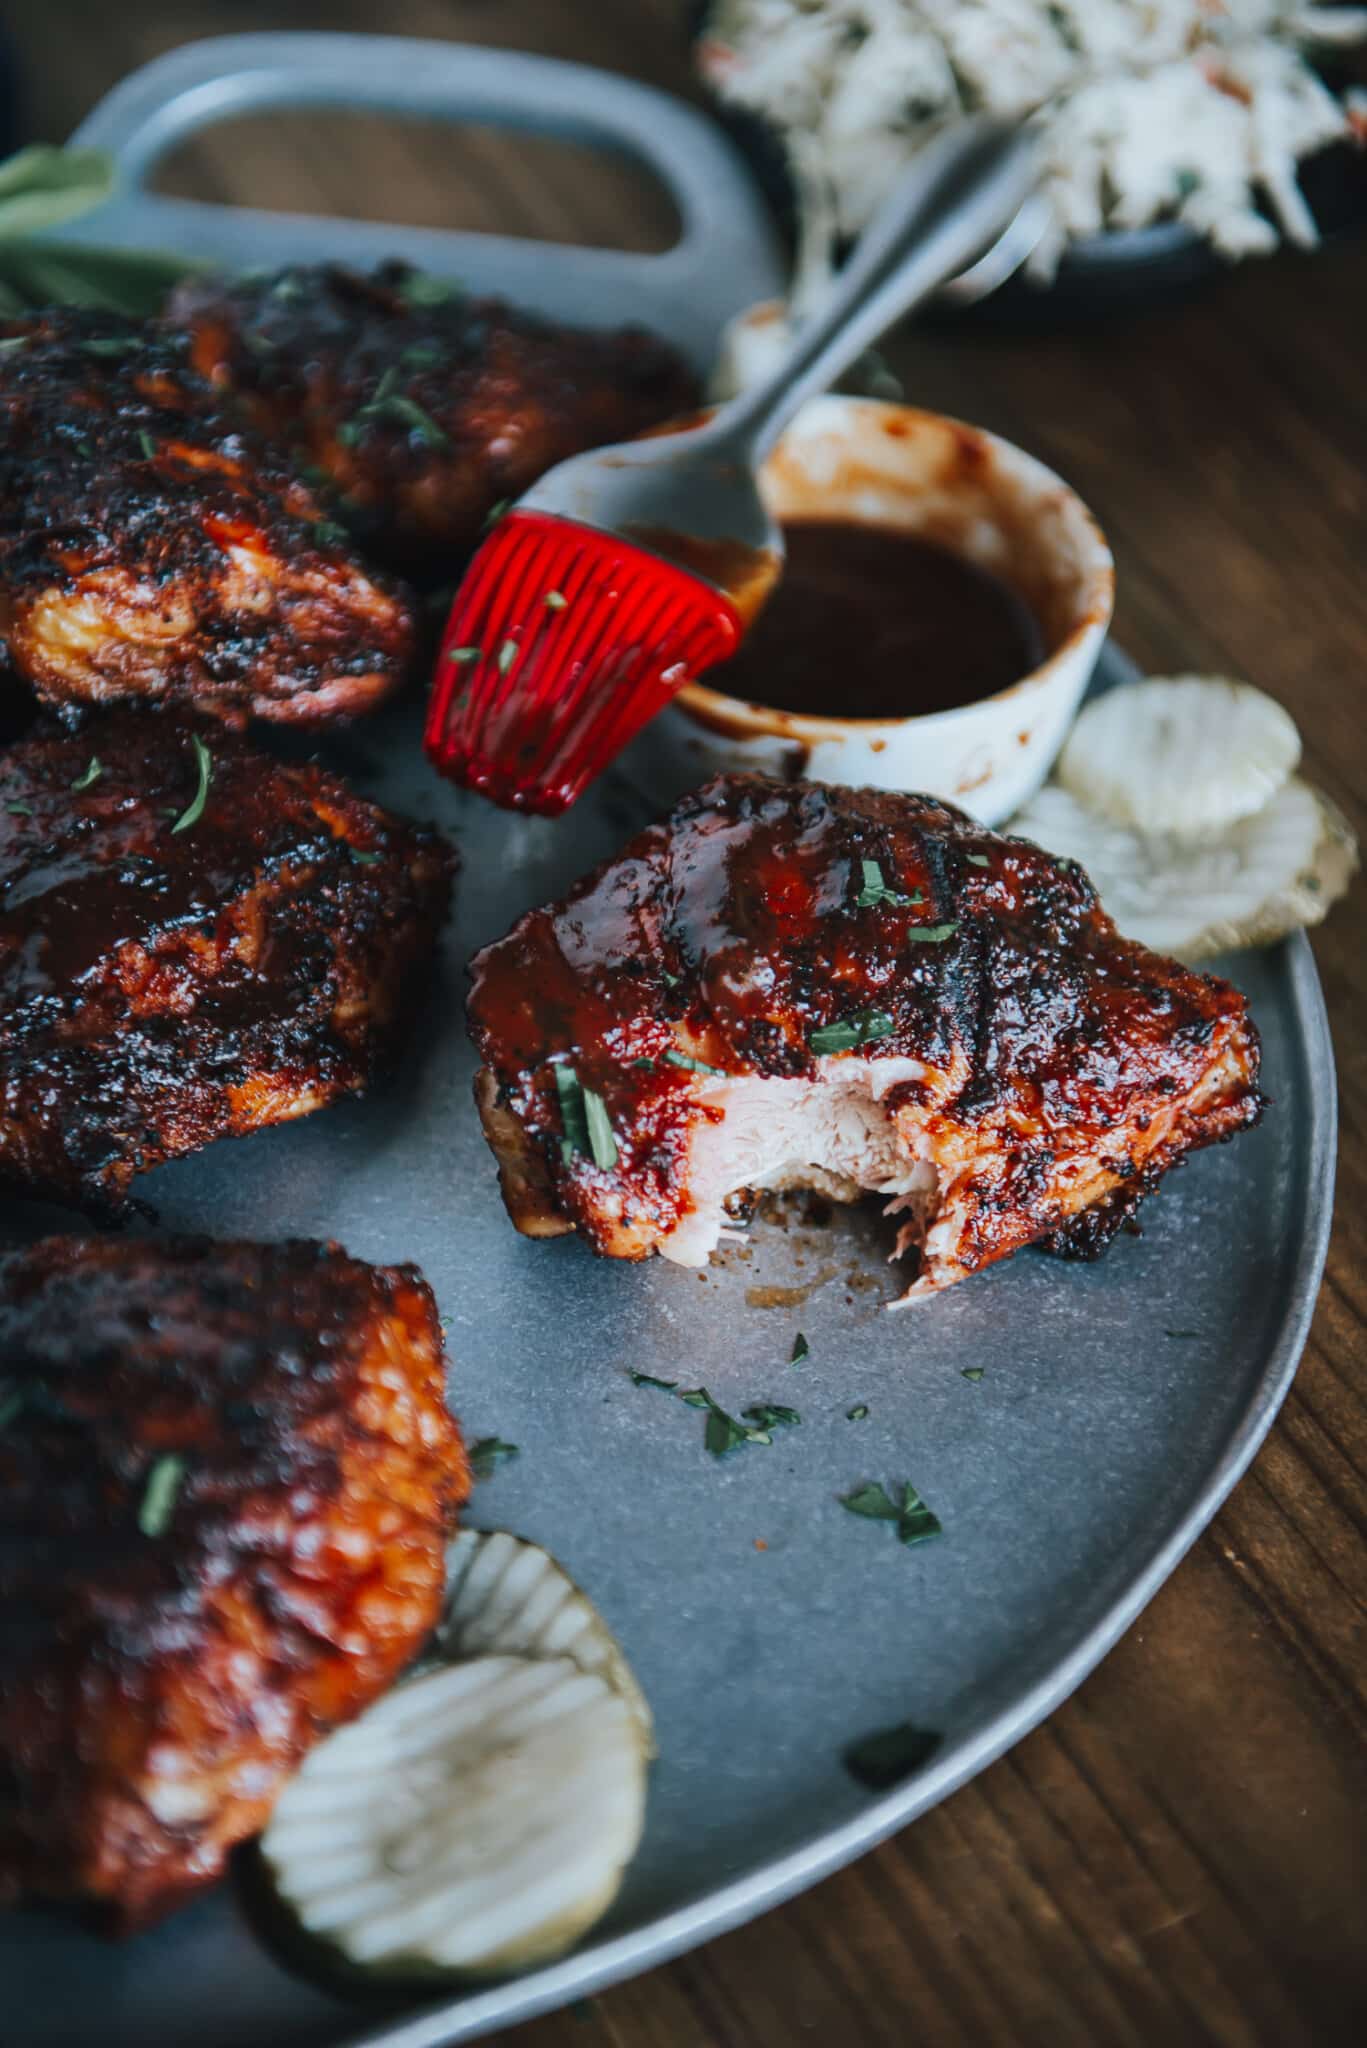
[[870, 622]]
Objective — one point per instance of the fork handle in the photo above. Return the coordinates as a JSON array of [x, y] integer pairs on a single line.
[[961, 192]]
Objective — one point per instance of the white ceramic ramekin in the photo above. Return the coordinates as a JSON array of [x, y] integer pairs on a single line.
[[892, 466]]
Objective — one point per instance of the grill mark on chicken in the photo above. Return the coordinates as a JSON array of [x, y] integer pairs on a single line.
[[423, 414], [157, 1688], [162, 988], [153, 548], [1040, 1075]]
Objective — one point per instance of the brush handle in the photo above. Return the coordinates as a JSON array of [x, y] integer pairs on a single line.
[[961, 192]]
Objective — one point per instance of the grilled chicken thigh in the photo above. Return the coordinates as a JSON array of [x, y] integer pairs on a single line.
[[424, 406], [194, 941], [795, 985], [153, 549], [226, 1481]]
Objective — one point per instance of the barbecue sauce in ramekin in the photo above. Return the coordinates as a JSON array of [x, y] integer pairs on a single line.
[[874, 622]]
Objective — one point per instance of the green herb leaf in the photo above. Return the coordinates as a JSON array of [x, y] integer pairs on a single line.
[[646, 1379], [84, 448], [419, 289], [40, 187], [194, 810], [722, 1432], [159, 1495], [462, 655], [801, 1349], [496, 512], [602, 1143], [1181, 1333], [507, 655], [488, 1454], [11, 1402], [931, 934], [696, 1397], [857, 1414], [769, 1415], [646, 1062], [107, 344], [885, 1758], [917, 1523], [388, 404], [692, 1066], [872, 1502], [130, 281], [584, 1116], [977, 860], [90, 775], [147, 445], [19, 810], [861, 1029], [971, 1372], [669, 980], [10, 343], [364, 856], [875, 890], [421, 355], [329, 534]]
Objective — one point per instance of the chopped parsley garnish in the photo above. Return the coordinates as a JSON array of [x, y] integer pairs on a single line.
[[420, 289], [876, 891], [932, 934], [194, 810], [977, 860], [555, 600], [19, 810], [861, 1029], [692, 1066], [801, 1349], [460, 655], [420, 355], [84, 448], [646, 1062], [669, 980], [915, 1521], [159, 1495], [507, 655], [107, 344], [883, 1759], [328, 533], [971, 1372], [648, 1379], [1181, 1333], [365, 857], [90, 774], [496, 512], [770, 1415], [722, 1432], [147, 444], [488, 1454], [585, 1120], [388, 403], [11, 1401], [858, 1413]]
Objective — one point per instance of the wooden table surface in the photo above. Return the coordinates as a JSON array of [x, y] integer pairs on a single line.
[[1179, 1855]]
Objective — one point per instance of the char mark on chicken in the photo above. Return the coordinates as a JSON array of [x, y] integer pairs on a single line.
[[227, 1478], [153, 548], [195, 941], [789, 985], [423, 406]]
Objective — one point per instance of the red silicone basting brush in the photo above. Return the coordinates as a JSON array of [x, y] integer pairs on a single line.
[[625, 572]]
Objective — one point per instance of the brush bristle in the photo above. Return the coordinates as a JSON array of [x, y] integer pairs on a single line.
[[563, 642]]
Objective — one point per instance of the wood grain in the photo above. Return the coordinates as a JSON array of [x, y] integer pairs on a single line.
[[1179, 1854]]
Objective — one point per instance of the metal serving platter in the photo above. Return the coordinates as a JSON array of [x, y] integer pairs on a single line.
[[1117, 1406]]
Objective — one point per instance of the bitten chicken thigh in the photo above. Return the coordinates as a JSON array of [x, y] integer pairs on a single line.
[[194, 942], [854, 990], [423, 406], [153, 548], [227, 1477]]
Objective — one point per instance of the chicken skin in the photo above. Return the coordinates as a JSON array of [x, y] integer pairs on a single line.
[[195, 941], [227, 1478], [854, 990], [423, 406], [151, 549]]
